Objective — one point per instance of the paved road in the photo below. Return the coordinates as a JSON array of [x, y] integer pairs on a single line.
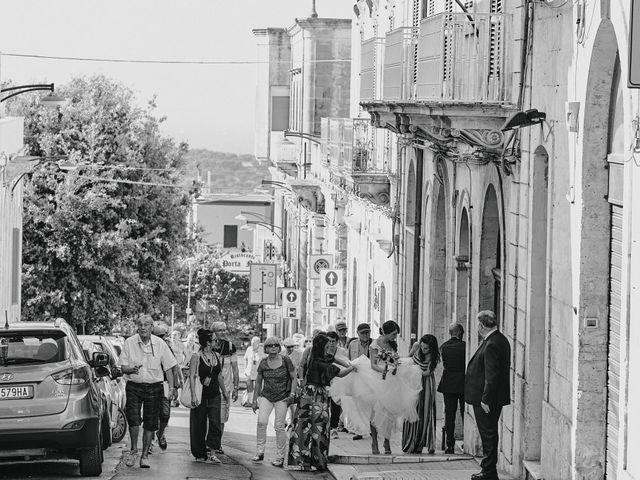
[[176, 462]]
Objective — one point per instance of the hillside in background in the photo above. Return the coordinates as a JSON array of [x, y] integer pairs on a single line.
[[230, 173]]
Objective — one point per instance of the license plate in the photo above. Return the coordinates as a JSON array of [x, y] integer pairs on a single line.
[[17, 392]]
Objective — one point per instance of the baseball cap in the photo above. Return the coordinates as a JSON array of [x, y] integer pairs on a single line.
[[290, 342], [159, 330], [341, 325], [363, 327]]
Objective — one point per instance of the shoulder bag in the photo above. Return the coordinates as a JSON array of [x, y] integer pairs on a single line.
[[185, 396]]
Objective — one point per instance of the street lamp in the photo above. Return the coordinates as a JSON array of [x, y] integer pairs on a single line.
[[312, 137], [251, 223], [276, 184], [242, 216], [50, 100]]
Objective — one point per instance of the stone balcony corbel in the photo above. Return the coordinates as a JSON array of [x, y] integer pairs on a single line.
[[310, 196]]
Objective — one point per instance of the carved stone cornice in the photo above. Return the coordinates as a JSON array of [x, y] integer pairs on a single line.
[[485, 138], [455, 127]]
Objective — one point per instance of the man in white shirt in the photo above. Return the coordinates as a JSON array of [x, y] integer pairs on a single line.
[[144, 360]]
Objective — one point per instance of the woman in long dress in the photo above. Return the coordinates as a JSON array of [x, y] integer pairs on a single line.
[[383, 356], [420, 434], [309, 442], [383, 392]]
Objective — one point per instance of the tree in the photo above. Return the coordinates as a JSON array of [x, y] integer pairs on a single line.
[[226, 294], [100, 241]]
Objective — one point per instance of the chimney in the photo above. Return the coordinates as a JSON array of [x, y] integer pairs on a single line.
[[209, 181]]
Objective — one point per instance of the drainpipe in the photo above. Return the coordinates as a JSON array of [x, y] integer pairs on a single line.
[[417, 228]]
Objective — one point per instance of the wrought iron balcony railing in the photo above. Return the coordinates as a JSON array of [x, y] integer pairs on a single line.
[[348, 146]]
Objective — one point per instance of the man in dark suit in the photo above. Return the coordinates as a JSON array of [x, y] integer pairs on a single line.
[[452, 382], [487, 389]]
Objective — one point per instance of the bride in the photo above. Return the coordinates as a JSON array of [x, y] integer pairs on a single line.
[[383, 392]]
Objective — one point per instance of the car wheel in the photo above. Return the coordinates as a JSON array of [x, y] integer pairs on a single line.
[[91, 460], [106, 431], [120, 428]]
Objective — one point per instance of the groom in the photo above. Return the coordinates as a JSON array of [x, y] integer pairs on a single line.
[[486, 388]]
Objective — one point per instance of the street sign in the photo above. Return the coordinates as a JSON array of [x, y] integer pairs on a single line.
[[319, 262], [272, 316], [269, 251], [331, 288], [262, 284], [291, 302]]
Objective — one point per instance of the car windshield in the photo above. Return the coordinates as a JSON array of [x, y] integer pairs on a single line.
[[32, 347]]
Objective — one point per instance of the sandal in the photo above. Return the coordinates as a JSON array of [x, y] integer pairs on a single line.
[[144, 462], [132, 456]]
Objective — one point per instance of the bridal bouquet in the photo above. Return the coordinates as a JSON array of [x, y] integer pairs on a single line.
[[391, 361]]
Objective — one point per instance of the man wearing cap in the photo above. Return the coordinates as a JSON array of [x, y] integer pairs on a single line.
[[144, 360], [358, 347], [341, 329], [160, 330]]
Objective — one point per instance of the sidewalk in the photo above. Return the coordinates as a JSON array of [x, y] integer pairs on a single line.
[[352, 460]]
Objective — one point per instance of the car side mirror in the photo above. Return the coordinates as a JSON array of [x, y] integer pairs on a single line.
[[99, 359]]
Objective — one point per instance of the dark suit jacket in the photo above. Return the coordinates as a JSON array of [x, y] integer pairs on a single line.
[[453, 363], [488, 373]]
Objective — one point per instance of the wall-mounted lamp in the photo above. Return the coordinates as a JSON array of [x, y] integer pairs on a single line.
[[523, 119], [51, 100]]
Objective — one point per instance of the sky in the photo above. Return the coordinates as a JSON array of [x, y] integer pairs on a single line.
[[208, 106]]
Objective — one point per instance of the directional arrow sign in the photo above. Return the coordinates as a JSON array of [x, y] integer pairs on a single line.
[[291, 303], [331, 288]]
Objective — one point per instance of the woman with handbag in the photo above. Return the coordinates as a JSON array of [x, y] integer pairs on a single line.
[[275, 385], [205, 368], [309, 442]]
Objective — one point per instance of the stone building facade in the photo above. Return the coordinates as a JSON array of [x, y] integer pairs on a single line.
[[488, 161]]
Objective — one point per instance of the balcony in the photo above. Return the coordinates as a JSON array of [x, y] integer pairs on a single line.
[[399, 52], [371, 61], [465, 58], [349, 152]]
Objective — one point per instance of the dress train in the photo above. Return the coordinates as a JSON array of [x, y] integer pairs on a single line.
[[366, 398]]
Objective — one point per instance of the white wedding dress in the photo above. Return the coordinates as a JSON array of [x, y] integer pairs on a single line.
[[365, 397]]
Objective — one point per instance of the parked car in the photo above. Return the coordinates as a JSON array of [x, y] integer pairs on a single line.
[[113, 385], [117, 342], [51, 405]]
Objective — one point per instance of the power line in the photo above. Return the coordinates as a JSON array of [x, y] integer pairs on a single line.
[[130, 182], [164, 62]]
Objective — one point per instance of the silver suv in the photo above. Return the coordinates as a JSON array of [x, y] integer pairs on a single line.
[[50, 403]]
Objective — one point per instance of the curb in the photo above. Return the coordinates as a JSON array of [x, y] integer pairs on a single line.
[[388, 459]]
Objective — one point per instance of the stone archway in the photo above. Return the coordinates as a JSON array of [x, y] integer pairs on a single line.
[[409, 253], [490, 275], [439, 266], [462, 271], [589, 431]]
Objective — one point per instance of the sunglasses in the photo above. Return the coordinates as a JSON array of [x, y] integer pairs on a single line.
[[271, 345]]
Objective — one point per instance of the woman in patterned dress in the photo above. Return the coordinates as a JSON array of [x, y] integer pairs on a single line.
[[421, 434], [309, 442]]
